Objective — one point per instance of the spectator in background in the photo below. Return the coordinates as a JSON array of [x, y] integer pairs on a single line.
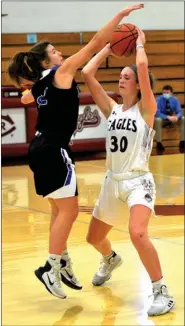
[[168, 112]]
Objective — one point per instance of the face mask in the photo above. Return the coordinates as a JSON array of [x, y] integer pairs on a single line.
[[166, 96]]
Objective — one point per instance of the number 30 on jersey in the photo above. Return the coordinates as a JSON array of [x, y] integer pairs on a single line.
[[118, 145]]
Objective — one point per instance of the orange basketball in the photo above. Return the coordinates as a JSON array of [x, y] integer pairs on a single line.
[[123, 41]]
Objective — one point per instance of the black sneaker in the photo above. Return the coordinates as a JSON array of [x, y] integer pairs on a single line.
[[160, 148], [67, 274], [182, 146], [49, 276]]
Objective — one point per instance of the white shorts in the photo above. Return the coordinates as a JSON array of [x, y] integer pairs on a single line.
[[66, 191], [120, 192]]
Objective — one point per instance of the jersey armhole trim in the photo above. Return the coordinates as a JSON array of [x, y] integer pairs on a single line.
[[146, 123]]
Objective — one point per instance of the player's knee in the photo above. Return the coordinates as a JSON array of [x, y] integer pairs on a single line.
[[54, 213], [137, 235], [54, 217], [69, 216], [92, 239]]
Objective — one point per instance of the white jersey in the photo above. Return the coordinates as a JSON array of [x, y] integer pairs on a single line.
[[129, 140]]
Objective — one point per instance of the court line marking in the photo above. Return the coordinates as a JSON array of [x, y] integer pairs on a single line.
[[77, 220], [161, 175]]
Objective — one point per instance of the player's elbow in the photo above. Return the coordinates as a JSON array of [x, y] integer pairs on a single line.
[[86, 73], [23, 100], [26, 100]]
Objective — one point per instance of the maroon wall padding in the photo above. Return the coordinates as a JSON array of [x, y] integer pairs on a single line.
[[9, 103], [11, 99], [12, 150], [15, 101], [86, 145]]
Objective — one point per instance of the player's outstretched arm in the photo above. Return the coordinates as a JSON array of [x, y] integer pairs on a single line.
[[104, 102], [149, 105], [71, 64]]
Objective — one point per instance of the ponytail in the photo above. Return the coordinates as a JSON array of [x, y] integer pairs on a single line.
[[28, 65]]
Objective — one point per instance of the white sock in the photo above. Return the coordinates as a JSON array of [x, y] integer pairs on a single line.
[[111, 255], [65, 254], [158, 284], [54, 259]]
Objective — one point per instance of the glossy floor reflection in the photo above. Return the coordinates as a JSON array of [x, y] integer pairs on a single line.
[[123, 299]]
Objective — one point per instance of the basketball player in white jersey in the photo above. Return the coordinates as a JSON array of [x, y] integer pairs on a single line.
[[128, 179]]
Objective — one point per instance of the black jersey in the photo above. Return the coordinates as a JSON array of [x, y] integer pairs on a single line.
[[50, 157], [57, 109]]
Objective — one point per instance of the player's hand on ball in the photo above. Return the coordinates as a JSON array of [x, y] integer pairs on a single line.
[[141, 37], [129, 9], [108, 49]]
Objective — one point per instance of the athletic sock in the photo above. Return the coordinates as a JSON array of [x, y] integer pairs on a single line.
[[112, 255], [158, 284]]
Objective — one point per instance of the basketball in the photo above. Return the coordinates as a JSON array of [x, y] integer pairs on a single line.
[[123, 41]]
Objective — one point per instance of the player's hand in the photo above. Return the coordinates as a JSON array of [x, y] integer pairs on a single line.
[[141, 37], [129, 9], [108, 47], [108, 50]]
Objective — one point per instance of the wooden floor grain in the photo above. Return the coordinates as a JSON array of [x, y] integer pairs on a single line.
[[25, 223]]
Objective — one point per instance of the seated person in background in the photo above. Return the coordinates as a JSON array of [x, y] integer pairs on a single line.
[[168, 112]]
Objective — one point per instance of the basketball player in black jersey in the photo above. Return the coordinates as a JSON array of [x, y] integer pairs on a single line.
[[57, 98]]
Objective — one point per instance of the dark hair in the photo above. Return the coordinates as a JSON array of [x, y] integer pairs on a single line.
[[134, 68], [28, 65], [168, 88]]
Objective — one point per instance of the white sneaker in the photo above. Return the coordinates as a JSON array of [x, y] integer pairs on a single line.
[[162, 303], [67, 275], [105, 271], [49, 276]]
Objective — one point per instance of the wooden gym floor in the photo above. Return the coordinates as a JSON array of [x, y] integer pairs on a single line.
[[25, 221]]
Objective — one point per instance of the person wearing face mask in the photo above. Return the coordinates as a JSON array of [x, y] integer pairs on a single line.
[[168, 112]]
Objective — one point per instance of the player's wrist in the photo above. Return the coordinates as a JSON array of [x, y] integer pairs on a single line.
[[139, 45]]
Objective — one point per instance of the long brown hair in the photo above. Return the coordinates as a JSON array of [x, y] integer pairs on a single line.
[[28, 65], [151, 77]]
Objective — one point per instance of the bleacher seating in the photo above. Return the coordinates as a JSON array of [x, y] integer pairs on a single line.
[[165, 50]]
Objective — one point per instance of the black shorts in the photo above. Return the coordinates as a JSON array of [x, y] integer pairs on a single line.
[[51, 165]]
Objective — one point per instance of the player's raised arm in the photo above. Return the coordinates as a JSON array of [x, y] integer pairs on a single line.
[[104, 102], [149, 105], [100, 39]]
